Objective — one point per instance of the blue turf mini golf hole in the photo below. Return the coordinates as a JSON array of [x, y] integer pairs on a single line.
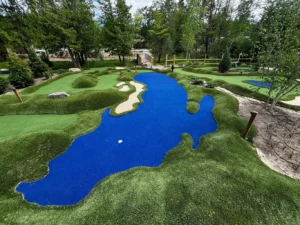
[[140, 138], [259, 83]]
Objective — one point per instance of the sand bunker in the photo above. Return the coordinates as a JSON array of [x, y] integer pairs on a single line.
[[125, 88], [133, 98], [120, 84], [296, 101]]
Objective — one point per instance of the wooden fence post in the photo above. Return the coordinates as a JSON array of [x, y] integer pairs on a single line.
[[18, 96], [252, 118], [174, 60], [204, 59]]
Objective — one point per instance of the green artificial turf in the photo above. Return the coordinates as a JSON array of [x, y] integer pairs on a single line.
[[238, 80], [192, 107], [65, 84], [24, 124], [223, 181]]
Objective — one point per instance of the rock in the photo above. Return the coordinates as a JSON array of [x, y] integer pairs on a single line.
[[58, 95], [74, 70]]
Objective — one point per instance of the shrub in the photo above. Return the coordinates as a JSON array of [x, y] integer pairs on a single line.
[[192, 107], [62, 65], [60, 71], [20, 74], [46, 60], [86, 81], [37, 66], [225, 63], [211, 84], [3, 85]]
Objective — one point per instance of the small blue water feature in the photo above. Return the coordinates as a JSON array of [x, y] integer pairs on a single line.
[[140, 138], [259, 83]]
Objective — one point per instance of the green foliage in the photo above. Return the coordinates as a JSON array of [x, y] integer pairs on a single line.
[[118, 30], [60, 71], [126, 76], [37, 66], [85, 81], [20, 74], [3, 85], [192, 107], [46, 60], [225, 63], [62, 65]]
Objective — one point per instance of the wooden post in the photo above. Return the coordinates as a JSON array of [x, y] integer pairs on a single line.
[[174, 60], [166, 63], [18, 96], [252, 118], [204, 59]]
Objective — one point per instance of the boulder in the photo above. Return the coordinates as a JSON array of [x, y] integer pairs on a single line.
[[74, 70], [58, 95]]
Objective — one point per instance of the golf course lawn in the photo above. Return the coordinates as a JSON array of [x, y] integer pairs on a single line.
[[238, 80], [65, 84], [14, 125], [222, 181]]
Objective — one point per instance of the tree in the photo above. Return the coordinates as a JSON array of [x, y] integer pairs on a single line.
[[20, 75], [225, 63], [192, 25], [279, 43], [159, 36], [118, 28]]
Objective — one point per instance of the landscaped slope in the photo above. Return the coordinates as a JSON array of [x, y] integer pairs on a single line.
[[221, 182]]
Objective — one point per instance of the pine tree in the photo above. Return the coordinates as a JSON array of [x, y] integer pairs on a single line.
[[225, 63]]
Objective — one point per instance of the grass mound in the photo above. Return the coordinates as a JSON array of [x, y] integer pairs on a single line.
[[86, 81], [192, 107], [40, 104]]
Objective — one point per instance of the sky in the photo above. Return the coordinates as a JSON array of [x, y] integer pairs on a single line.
[[137, 4]]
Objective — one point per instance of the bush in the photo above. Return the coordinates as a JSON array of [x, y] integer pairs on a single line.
[[60, 71], [62, 65], [37, 66], [46, 60], [20, 74], [192, 107], [3, 85], [86, 81], [225, 63]]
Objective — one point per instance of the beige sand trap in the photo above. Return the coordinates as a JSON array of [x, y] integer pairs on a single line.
[[133, 98], [120, 68], [120, 84], [125, 88], [296, 101]]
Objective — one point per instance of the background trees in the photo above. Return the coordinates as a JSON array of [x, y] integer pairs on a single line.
[[118, 28]]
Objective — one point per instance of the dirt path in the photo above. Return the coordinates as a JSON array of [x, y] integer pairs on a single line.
[[278, 140]]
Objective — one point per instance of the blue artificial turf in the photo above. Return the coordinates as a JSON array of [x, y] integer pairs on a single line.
[[259, 83], [147, 135]]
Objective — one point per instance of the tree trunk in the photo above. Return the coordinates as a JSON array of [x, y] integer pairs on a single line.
[[72, 57], [120, 59], [123, 60], [159, 56], [82, 58]]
